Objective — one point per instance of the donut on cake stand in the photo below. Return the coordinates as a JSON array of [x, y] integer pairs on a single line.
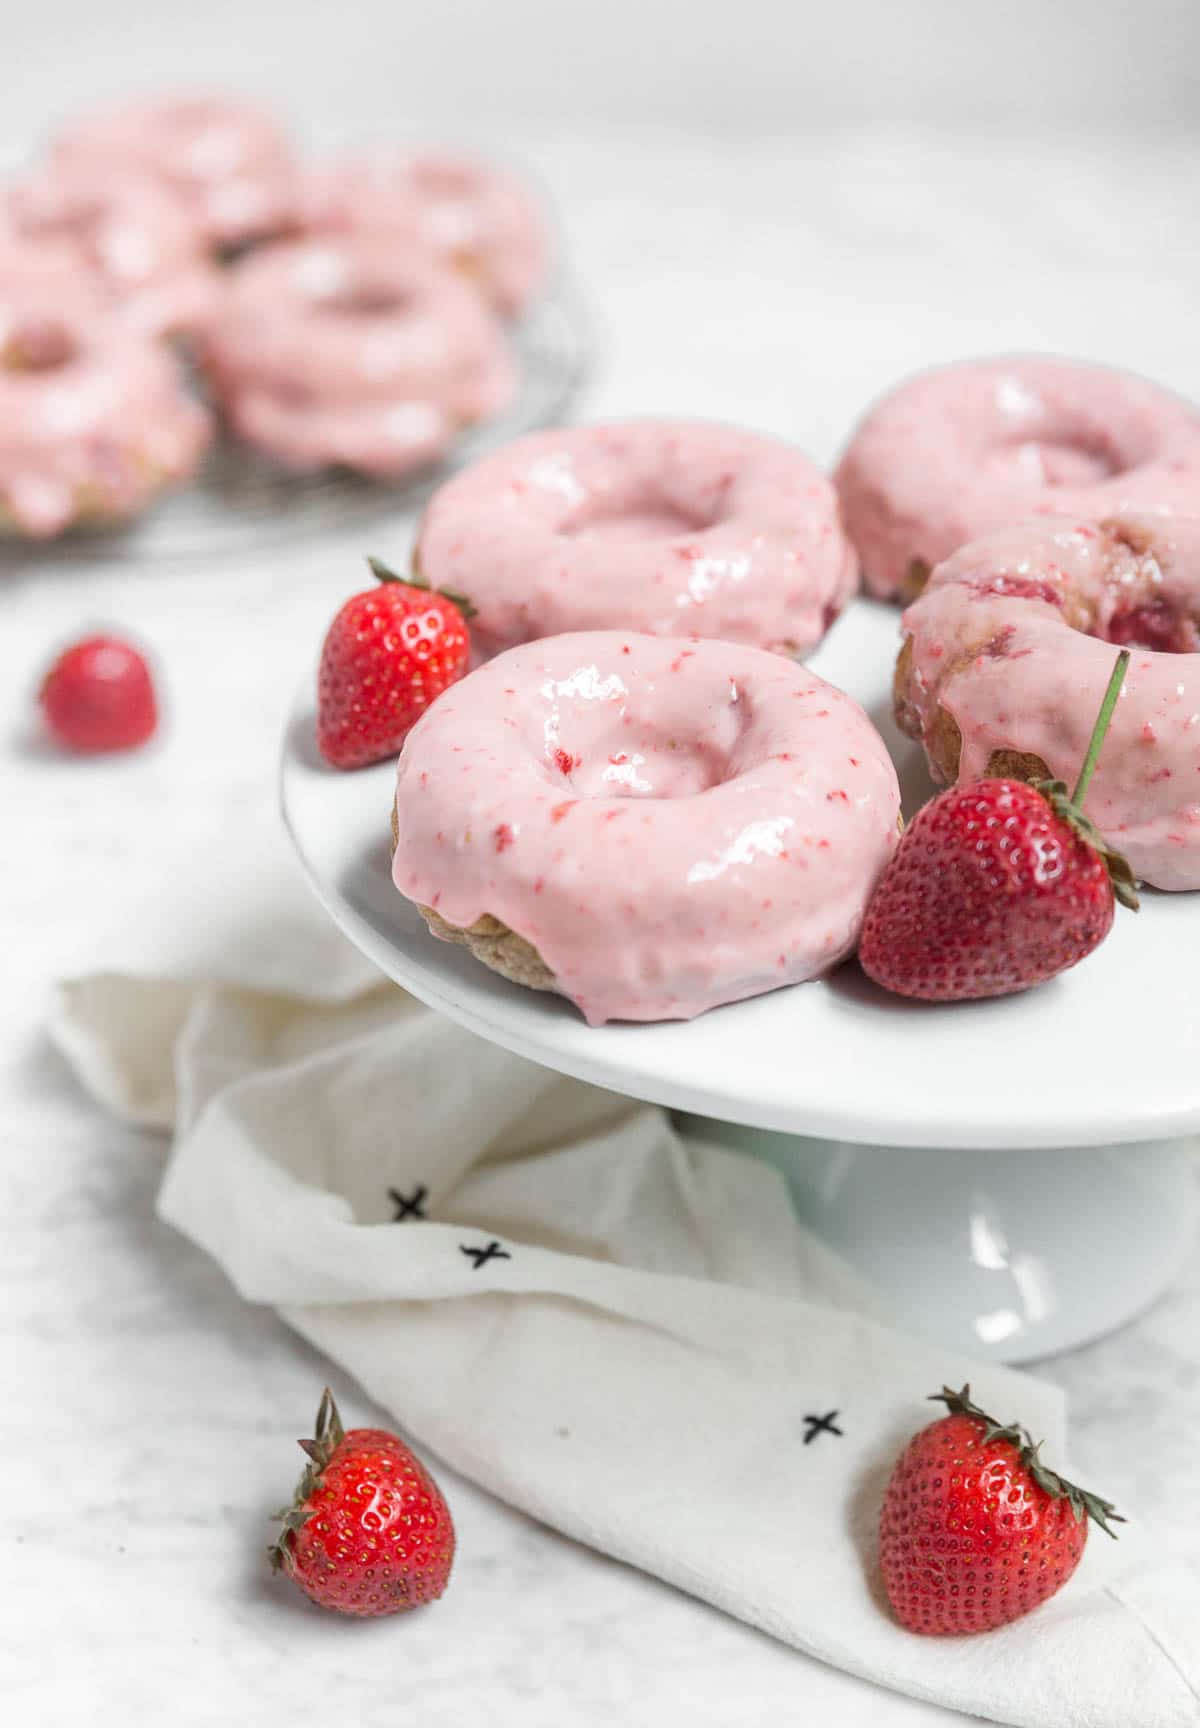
[[1009, 1173]]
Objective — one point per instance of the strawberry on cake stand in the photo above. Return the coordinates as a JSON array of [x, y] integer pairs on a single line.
[[1011, 1174]]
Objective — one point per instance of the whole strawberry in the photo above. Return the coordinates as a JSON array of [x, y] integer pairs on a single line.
[[976, 1530], [996, 885], [388, 654], [99, 696], [368, 1531]]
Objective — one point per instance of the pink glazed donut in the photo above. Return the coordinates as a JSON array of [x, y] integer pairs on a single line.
[[1008, 652], [954, 453], [345, 353], [231, 165], [647, 826], [672, 527], [94, 417], [475, 217], [128, 230]]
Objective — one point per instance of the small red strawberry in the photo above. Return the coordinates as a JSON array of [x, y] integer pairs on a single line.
[[389, 653], [996, 885], [368, 1531], [99, 695], [976, 1530]]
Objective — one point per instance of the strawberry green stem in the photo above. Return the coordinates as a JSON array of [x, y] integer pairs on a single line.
[[1099, 730]]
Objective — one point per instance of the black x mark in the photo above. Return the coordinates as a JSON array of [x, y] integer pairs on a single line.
[[409, 1205], [815, 1425], [481, 1256]]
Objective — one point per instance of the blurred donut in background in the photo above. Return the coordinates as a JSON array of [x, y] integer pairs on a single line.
[[231, 163], [349, 353], [466, 213]]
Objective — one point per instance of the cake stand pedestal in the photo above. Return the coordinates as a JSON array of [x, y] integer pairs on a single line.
[[1012, 1255]]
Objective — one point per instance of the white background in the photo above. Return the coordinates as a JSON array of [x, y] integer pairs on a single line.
[[716, 66], [773, 211]]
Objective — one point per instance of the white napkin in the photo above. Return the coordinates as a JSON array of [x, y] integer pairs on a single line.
[[611, 1328]]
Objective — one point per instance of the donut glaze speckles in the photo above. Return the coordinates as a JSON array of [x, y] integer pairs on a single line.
[[670, 527], [957, 452], [231, 164], [1006, 658], [94, 417], [344, 353], [665, 824]]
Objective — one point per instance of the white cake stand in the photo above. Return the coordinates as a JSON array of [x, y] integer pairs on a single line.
[[1012, 1174]]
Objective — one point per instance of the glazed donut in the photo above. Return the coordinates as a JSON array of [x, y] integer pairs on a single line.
[[94, 417], [1007, 653], [671, 527], [344, 353], [468, 214], [128, 230], [647, 826], [954, 453], [231, 164]]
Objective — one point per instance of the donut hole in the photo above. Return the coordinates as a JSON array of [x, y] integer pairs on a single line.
[[1080, 461], [630, 516], [367, 302], [593, 742], [1043, 443], [1080, 456], [1155, 624], [642, 764], [38, 345]]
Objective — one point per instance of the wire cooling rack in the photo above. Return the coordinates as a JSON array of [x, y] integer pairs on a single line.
[[239, 501]]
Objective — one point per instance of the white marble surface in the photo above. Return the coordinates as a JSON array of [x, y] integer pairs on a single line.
[[149, 1415]]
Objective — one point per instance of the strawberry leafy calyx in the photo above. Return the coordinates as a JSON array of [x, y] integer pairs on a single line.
[[328, 1435], [1120, 872], [1082, 1502], [384, 573]]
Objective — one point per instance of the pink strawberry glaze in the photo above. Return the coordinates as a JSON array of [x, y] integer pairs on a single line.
[[94, 417], [345, 352], [954, 453], [671, 527], [1016, 675], [673, 824], [231, 164], [469, 214], [128, 230]]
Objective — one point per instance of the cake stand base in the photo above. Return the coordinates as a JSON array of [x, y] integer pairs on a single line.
[[1012, 1255]]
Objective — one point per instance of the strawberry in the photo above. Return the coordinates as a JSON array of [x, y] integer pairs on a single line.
[[976, 1530], [389, 653], [368, 1531], [99, 695], [996, 885]]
